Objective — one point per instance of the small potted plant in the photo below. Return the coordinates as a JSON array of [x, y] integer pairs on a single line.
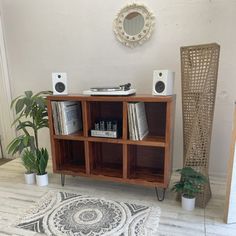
[[189, 186], [41, 165], [29, 162]]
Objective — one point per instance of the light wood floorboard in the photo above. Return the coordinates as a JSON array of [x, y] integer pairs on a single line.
[[17, 197]]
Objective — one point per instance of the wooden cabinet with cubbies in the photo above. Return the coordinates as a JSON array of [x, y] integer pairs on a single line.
[[146, 162]]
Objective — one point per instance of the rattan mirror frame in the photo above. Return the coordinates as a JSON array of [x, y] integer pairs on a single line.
[[138, 39]]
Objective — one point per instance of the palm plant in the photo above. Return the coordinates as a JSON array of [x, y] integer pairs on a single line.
[[31, 116], [190, 181]]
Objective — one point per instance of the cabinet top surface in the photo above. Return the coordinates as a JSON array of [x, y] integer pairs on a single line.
[[137, 97]]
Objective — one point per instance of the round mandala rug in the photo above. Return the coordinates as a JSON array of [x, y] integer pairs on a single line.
[[70, 214], [85, 216]]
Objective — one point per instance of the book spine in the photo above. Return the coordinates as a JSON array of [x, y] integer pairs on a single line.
[[134, 122], [55, 116], [130, 122], [80, 127], [64, 115], [61, 118], [58, 118], [136, 118], [142, 125]]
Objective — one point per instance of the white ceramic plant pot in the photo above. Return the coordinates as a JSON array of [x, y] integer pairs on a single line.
[[30, 178], [42, 180], [188, 204]]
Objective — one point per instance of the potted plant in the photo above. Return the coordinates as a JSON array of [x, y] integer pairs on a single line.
[[189, 186], [41, 165], [31, 116], [29, 162]]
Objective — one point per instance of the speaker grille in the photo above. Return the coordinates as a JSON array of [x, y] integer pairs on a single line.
[[60, 87], [160, 87]]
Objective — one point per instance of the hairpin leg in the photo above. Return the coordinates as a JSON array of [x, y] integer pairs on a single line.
[[62, 179], [162, 197]]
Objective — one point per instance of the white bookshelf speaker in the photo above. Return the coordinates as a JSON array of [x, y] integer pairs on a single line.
[[163, 82], [59, 83]]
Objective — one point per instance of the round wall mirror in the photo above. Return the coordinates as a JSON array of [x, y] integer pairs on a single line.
[[133, 25]]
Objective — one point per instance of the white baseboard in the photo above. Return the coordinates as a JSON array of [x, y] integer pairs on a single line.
[[215, 174]]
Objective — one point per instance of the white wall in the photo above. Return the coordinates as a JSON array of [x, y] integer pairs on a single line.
[[76, 37], [230, 206], [6, 116]]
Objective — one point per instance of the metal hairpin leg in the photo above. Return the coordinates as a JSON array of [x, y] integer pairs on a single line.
[[62, 179], [162, 197]]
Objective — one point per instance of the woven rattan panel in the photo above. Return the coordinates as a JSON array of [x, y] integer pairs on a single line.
[[199, 68]]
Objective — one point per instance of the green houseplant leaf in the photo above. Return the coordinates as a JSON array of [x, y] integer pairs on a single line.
[[29, 161], [189, 183], [42, 161], [28, 94], [31, 116], [19, 105]]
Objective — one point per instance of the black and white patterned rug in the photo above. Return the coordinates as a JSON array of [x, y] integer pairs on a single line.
[[64, 213]]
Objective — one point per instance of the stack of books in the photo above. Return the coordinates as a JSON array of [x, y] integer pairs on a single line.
[[137, 120], [67, 117]]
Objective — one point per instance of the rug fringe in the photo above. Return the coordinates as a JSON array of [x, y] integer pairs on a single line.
[[152, 221], [35, 207]]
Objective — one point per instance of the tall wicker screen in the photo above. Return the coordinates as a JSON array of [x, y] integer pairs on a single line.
[[199, 68]]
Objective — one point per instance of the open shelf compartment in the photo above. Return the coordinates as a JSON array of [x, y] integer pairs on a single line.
[[67, 118], [70, 155], [156, 120], [146, 163], [106, 159], [107, 111]]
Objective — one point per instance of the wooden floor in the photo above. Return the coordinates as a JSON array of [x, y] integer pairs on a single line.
[[16, 197], [4, 160]]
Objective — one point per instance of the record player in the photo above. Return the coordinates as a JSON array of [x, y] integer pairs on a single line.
[[121, 90]]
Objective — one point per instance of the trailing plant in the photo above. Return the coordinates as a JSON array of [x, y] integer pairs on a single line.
[[29, 161], [190, 182], [41, 161], [31, 116]]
